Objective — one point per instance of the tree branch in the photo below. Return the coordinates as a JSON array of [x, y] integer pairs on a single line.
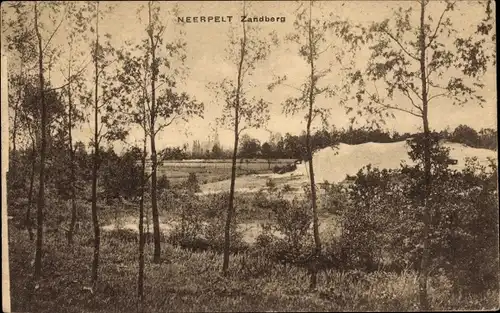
[[241, 130], [55, 31], [430, 71], [74, 76], [405, 91], [433, 37], [158, 35], [156, 88], [435, 86], [386, 106], [438, 95], [166, 124], [148, 177], [412, 89], [401, 109], [400, 45], [319, 53], [293, 87], [320, 91], [106, 65], [103, 103]]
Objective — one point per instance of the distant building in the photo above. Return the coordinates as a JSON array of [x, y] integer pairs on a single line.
[[199, 149]]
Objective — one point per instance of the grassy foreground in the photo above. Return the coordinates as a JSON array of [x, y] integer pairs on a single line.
[[187, 281]]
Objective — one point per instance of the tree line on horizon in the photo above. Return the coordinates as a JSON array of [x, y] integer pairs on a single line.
[[293, 146]]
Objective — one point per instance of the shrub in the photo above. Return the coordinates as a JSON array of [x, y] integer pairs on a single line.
[[162, 184], [191, 218], [465, 229], [276, 169], [202, 223], [260, 200], [192, 183], [466, 135], [367, 218], [265, 238], [286, 188], [120, 234], [335, 198], [246, 208], [214, 229], [215, 205], [193, 243], [291, 219], [270, 184], [382, 223]]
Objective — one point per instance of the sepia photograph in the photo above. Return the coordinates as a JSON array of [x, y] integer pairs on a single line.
[[249, 156]]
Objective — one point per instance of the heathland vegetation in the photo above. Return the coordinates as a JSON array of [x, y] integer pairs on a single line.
[[423, 236]]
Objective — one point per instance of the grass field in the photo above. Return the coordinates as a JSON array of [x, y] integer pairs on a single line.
[[215, 170], [187, 281], [191, 282]]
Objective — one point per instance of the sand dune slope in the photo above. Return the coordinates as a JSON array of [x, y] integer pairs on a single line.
[[334, 164]]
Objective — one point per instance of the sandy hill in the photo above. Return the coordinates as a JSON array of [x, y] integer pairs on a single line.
[[333, 164]]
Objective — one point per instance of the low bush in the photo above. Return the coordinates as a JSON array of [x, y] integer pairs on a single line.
[[124, 235], [202, 224], [195, 244], [214, 229], [270, 184], [261, 200], [382, 221], [292, 221], [162, 184], [286, 188], [191, 184], [334, 199]]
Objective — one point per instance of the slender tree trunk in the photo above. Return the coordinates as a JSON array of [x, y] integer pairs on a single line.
[[147, 225], [95, 160], [154, 165], [14, 135], [14, 126], [317, 241], [424, 265], [227, 227], [140, 278], [154, 203], [43, 146], [230, 209], [71, 230], [30, 191]]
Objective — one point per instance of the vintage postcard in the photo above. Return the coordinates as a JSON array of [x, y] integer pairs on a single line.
[[263, 156]]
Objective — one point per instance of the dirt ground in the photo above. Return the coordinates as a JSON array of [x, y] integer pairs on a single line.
[[256, 182]]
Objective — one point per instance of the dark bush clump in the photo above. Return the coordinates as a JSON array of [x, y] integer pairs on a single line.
[[382, 222]]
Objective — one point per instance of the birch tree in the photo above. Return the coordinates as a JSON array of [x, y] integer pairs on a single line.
[[167, 105], [17, 29], [142, 241], [107, 120], [419, 57], [314, 35], [133, 91], [43, 48], [73, 75], [137, 76], [240, 111], [22, 130]]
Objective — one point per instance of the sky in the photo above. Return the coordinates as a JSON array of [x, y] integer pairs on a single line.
[[207, 62]]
